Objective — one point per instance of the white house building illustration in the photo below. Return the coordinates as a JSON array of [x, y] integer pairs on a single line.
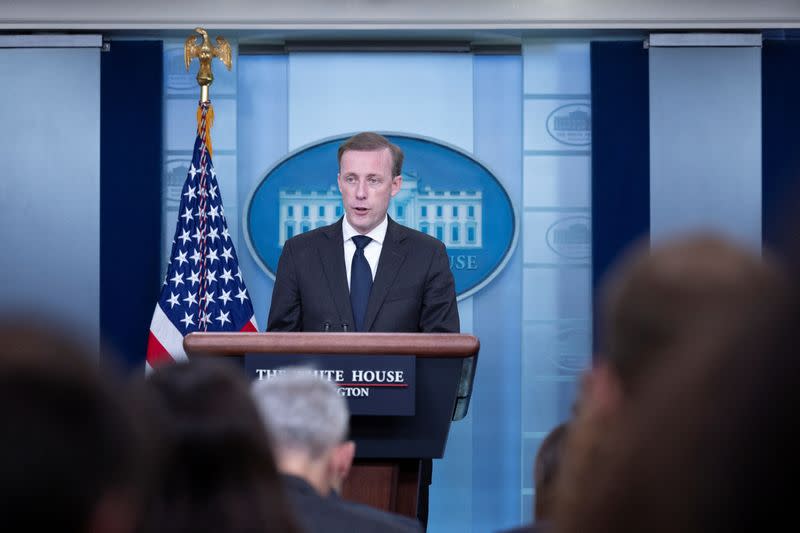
[[452, 216]]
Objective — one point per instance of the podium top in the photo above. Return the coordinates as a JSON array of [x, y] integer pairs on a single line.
[[438, 345]]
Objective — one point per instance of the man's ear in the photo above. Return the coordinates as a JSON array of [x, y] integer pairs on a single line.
[[397, 182], [341, 461]]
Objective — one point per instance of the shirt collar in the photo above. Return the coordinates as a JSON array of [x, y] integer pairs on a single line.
[[378, 233]]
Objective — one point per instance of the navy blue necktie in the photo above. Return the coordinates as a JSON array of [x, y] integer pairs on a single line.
[[360, 281]]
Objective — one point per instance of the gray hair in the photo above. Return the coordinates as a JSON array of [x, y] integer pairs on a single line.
[[303, 411]]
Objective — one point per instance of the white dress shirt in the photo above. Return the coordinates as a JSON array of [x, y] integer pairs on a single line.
[[372, 251]]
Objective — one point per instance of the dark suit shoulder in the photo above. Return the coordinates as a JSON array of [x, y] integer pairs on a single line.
[[393, 522], [328, 515]]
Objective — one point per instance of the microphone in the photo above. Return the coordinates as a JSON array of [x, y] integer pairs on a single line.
[[345, 327]]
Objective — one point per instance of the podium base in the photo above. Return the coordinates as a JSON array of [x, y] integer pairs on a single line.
[[389, 484]]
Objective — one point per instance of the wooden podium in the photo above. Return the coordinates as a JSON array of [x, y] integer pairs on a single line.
[[390, 450]]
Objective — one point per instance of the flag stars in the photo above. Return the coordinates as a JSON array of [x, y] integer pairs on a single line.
[[187, 320], [211, 277], [226, 234], [190, 193], [194, 278], [198, 235], [213, 234], [226, 253], [196, 257], [242, 296], [172, 300], [213, 213], [208, 298], [205, 319], [185, 237], [225, 297], [212, 191], [187, 215], [191, 298], [181, 259], [226, 274], [239, 275], [223, 317], [212, 256], [177, 279]]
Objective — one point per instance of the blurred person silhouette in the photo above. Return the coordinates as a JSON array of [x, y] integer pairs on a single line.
[[710, 444], [545, 474], [72, 457], [673, 304], [216, 470], [308, 421]]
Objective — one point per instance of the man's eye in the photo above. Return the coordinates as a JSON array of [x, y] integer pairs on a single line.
[[373, 181], [350, 179]]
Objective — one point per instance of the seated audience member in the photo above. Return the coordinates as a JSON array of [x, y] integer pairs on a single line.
[[656, 298], [650, 445], [71, 458], [216, 468], [709, 446], [308, 422]]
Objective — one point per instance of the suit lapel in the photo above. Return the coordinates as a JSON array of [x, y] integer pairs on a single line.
[[331, 256], [393, 254]]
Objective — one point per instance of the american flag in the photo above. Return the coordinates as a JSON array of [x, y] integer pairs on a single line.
[[203, 289]]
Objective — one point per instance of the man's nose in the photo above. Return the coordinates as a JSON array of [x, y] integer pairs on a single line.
[[361, 190]]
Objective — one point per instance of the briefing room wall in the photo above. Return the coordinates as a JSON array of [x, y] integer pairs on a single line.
[[50, 186], [556, 243]]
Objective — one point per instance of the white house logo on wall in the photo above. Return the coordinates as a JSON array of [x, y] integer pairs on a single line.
[[446, 193], [570, 237], [571, 124], [570, 352]]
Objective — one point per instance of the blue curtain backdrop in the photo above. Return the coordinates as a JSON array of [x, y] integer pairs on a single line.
[[780, 79], [131, 125], [620, 153]]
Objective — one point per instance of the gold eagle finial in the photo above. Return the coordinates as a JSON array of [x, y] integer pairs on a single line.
[[205, 52]]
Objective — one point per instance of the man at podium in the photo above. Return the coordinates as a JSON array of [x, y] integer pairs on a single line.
[[365, 272]]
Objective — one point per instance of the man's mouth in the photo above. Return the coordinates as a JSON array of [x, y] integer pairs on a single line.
[[360, 210]]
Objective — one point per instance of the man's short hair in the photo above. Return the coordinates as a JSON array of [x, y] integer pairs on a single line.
[[304, 412], [656, 299], [373, 142]]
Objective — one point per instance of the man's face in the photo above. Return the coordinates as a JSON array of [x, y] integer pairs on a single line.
[[367, 185]]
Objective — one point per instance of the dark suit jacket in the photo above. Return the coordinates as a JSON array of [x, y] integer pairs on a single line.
[[330, 515], [410, 525], [413, 289]]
